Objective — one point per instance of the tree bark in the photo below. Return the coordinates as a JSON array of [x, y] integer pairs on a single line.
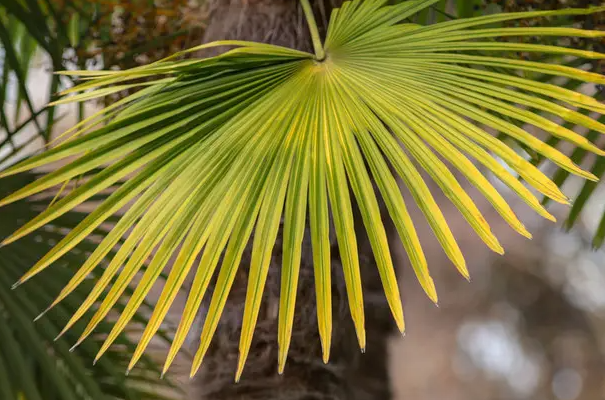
[[349, 375]]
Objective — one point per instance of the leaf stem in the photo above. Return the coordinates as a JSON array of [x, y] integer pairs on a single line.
[[317, 45]]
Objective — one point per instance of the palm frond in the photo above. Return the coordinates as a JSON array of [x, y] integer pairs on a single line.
[[35, 363], [560, 177], [217, 151], [579, 155], [18, 49]]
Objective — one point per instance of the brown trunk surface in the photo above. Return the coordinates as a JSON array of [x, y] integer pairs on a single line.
[[349, 374]]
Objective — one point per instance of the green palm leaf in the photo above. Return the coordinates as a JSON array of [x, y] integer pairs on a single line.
[[25, 29], [217, 151], [579, 155], [34, 363]]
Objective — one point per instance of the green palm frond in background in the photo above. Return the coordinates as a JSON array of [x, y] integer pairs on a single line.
[[215, 151], [63, 34], [35, 363], [27, 29], [17, 49]]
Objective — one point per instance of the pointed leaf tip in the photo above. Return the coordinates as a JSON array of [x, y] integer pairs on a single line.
[[240, 368], [79, 342], [281, 363], [325, 355], [61, 335], [194, 368], [42, 314], [524, 232], [165, 369]]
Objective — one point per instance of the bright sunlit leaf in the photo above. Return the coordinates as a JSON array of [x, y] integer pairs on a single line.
[[218, 152]]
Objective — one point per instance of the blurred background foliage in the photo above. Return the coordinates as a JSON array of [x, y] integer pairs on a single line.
[[33, 364], [531, 326]]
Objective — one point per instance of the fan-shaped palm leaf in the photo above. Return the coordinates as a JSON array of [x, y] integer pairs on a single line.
[[219, 150]]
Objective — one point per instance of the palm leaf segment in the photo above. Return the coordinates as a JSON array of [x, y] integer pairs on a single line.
[[218, 150]]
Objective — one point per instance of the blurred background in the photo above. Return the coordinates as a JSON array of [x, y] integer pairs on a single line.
[[530, 325]]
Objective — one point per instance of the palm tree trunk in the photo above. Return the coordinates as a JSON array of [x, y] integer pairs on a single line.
[[349, 374]]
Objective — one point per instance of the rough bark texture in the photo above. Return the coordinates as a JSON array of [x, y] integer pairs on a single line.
[[350, 375], [279, 22]]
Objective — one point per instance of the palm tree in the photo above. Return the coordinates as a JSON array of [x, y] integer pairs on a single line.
[[271, 157]]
